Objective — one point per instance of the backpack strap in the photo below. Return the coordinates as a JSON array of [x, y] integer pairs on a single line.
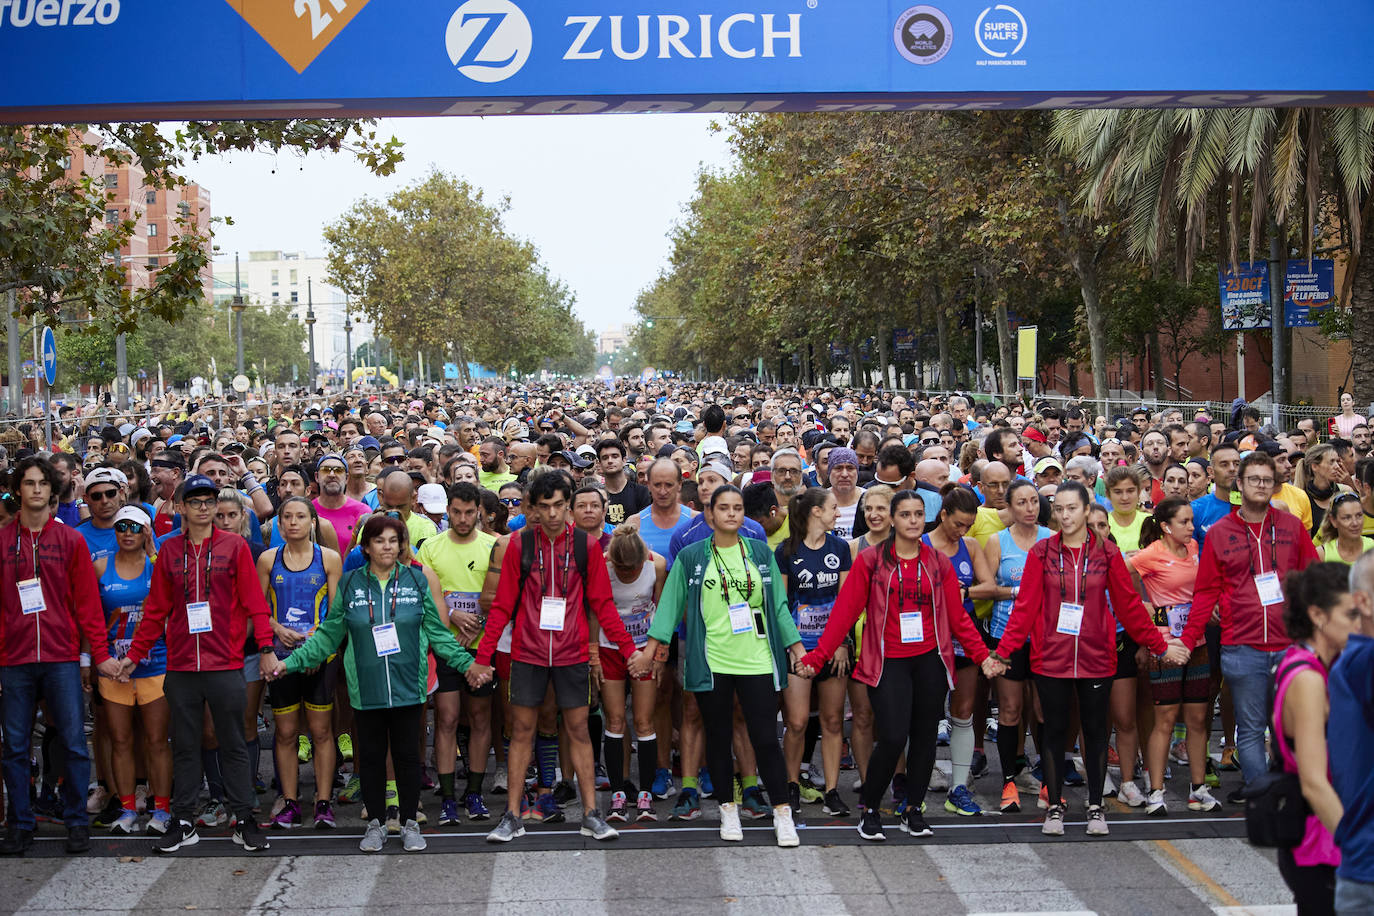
[[1287, 668], [527, 548]]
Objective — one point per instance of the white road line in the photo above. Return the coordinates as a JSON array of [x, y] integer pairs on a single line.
[[773, 880], [1002, 878], [1281, 909], [571, 882], [319, 882], [107, 885]]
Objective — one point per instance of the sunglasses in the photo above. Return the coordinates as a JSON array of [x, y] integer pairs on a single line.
[[118, 448], [394, 459], [510, 501], [124, 526], [101, 496]]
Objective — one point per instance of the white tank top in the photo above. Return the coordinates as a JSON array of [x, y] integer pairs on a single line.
[[635, 602]]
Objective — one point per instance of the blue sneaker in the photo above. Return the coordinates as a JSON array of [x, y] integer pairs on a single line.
[[753, 803], [126, 823], [663, 783], [159, 821], [704, 782], [477, 808], [448, 813], [548, 809], [688, 807], [960, 801], [1071, 775]]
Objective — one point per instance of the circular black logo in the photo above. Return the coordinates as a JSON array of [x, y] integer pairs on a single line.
[[923, 34]]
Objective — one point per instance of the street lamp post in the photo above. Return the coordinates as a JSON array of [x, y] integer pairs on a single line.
[[121, 373], [238, 306], [310, 327], [348, 346]]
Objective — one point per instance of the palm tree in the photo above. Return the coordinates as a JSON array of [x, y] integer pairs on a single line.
[[1165, 168]]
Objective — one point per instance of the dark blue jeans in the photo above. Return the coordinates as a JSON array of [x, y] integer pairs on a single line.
[[58, 683]]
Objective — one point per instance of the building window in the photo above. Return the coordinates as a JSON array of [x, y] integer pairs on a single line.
[[111, 179], [295, 296], [293, 277], [154, 262], [185, 208], [152, 230], [150, 198], [276, 295], [275, 280], [111, 217]]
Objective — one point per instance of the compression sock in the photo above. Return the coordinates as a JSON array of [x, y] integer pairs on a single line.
[[648, 760], [127, 802], [475, 781], [960, 749], [1006, 750], [748, 782], [615, 760], [209, 760], [446, 786], [546, 759]]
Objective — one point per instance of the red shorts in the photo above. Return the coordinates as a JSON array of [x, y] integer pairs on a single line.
[[613, 666], [501, 662]]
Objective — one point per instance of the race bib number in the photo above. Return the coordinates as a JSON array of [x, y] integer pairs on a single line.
[[1070, 619], [913, 627], [741, 620], [121, 648], [811, 618], [198, 617], [466, 602], [384, 638], [31, 596], [637, 623], [551, 611], [1269, 588], [1178, 618]]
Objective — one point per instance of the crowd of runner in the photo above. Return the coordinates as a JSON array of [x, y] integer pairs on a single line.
[[526, 597]]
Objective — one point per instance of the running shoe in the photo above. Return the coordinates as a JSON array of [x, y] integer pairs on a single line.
[[352, 790], [730, 830], [688, 807], [178, 835], [1097, 821], [960, 801], [1212, 778], [214, 814], [549, 811], [618, 808], [595, 826], [603, 782], [289, 817], [110, 813], [834, 804], [810, 794], [794, 801], [752, 804], [1113, 758], [1071, 775], [498, 780], [393, 820], [420, 816], [277, 805], [1200, 799], [1228, 762], [507, 829], [871, 827], [942, 734], [324, 815], [563, 792], [663, 783], [126, 823], [345, 744], [250, 838], [1128, 793], [913, 824], [1028, 779], [374, 837], [448, 813], [1154, 804], [476, 806], [990, 733], [704, 783], [1011, 798], [1054, 822], [304, 749], [644, 804], [411, 838], [784, 828], [1178, 752], [159, 821], [939, 780], [1043, 801], [96, 799], [979, 767]]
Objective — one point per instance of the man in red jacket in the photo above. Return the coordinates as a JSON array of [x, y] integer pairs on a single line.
[[1241, 570], [549, 641], [204, 593], [49, 604]]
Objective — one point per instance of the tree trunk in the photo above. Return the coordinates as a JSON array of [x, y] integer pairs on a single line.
[[855, 376], [1004, 354], [1086, 268], [884, 357], [1157, 366], [1362, 316]]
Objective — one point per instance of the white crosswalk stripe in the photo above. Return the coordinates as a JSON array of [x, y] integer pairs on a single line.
[[999, 878], [95, 884], [557, 882]]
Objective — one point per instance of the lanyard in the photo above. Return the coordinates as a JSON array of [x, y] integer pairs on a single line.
[[567, 560], [33, 550], [185, 583], [1259, 543], [720, 571], [901, 592], [395, 591], [1079, 572]]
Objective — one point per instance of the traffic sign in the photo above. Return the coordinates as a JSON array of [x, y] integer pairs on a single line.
[[49, 356]]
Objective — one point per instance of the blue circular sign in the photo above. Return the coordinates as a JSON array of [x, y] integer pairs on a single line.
[[49, 356]]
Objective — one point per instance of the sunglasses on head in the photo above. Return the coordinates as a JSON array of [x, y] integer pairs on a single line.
[[124, 526]]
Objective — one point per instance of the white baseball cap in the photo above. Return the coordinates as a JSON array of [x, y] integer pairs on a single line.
[[433, 497]]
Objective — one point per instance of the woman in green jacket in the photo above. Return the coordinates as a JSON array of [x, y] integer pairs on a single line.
[[383, 615], [739, 633]]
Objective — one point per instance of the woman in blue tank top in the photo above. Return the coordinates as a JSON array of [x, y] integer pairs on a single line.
[[125, 579], [1006, 554], [958, 511]]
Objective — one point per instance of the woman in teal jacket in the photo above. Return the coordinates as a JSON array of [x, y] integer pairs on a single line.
[[739, 633], [384, 617]]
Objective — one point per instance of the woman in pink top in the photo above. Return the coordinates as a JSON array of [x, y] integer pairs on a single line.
[[1165, 570], [1347, 419]]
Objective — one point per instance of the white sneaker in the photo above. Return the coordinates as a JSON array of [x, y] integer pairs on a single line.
[[783, 827], [1129, 794], [1154, 805], [939, 780], [498, 781], [730, 830], [1200, 799], [1097, 821]]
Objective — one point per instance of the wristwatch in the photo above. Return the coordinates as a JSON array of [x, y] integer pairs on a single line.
[[264, 650]]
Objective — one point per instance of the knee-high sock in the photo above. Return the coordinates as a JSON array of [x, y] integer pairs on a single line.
[[546, 759], [615, 760], [960, 749]]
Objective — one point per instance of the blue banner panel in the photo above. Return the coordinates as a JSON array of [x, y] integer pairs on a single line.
[[1307, 290], [1245, 297], [265, 58]]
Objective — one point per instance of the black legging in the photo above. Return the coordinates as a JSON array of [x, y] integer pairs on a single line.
[[396, 729], [1313, 886], [908, 704], [759, 703], [1094, 713]]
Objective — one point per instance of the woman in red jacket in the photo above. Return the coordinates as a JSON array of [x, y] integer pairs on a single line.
[[1063, 606], [914, 604]]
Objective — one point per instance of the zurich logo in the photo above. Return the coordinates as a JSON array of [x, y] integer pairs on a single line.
[[488, 40]]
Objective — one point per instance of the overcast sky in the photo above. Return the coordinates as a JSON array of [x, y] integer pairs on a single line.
[[597, 194]]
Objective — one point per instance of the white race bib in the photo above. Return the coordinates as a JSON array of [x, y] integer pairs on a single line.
[[1178, 618], [1269, 588], [384, 637], [913, 627], [811, 618], [1070, 619], [198, 617], [121, 648], [741, 620], [31, 596], [551, 611], [462, 601]]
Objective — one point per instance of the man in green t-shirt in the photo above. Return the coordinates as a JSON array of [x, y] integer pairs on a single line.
[[495, 471]]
